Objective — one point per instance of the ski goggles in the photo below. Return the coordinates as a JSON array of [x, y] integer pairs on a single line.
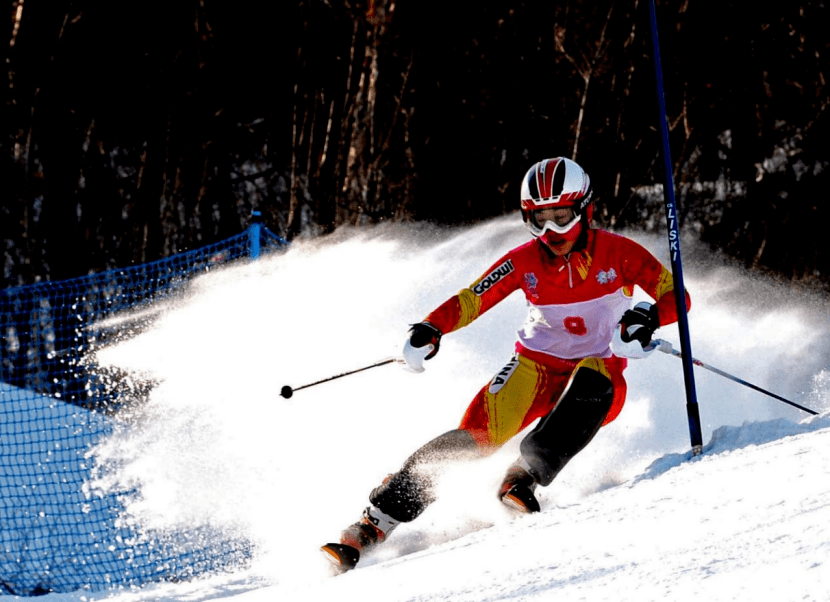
[[549, 225]]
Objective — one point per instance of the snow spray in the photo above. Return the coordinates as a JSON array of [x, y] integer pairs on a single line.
[[216, 444]]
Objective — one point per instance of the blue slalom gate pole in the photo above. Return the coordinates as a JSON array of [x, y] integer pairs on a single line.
[[692, 409]]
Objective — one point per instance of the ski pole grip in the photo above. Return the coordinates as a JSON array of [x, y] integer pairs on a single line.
[[661, 345]]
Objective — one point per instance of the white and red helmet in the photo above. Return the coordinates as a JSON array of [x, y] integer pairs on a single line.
[[554, 183]]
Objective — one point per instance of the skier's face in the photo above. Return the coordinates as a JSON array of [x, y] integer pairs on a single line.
[[561, 243]]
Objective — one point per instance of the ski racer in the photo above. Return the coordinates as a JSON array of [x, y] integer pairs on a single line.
[[569, 358]]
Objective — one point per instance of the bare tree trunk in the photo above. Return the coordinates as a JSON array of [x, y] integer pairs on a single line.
[[294, 221], [363, 185], [586, 69]]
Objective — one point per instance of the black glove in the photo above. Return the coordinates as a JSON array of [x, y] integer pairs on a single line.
[[425, 334], [639, 323]]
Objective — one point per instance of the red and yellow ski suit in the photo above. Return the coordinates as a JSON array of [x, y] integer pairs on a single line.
[[575, 302]]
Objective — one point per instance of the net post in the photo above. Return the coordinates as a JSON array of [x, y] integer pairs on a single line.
[[255, 235]]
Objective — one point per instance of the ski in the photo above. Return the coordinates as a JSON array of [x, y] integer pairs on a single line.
[[341, 556], [524, 504], [519, 500]]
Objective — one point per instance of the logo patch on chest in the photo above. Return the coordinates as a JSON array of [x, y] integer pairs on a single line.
[[531, 282], [604, 277]]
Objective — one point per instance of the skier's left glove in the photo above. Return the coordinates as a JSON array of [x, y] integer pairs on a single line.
[[422, 344], [632, 337]]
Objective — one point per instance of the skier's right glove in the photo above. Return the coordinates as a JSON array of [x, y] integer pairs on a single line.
[[422, 344], [632, 337]]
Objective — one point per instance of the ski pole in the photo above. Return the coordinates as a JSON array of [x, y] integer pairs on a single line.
[[287, 391], [666, 347]]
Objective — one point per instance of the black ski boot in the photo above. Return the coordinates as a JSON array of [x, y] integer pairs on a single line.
[[369, 531], [517, 489]]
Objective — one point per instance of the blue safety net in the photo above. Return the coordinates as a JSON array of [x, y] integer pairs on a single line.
[[57, 534]]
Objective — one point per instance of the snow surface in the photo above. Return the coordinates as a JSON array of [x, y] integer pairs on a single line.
[[634, 517]]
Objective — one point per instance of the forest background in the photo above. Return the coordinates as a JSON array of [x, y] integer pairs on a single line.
[[136, 130]]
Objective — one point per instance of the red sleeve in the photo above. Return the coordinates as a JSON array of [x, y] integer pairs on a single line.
[[643, 269], [493, 286]]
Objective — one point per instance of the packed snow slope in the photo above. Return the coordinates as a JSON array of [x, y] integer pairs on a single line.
[[634, 517]]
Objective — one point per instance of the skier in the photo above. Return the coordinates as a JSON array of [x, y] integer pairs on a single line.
[[569, 358]]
